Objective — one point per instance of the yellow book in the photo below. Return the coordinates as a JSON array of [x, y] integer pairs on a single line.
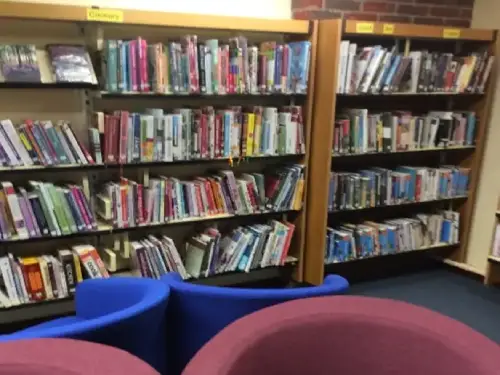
[[250, 134], [78, 268], [257, 134], [299, 192]]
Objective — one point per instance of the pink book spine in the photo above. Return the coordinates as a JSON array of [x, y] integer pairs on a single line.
[[204, 136], [140, 204], [86, 207], [496, 247], [143, 45], [123, 137], [219, 72], [74, 192], [133, 68], [27, 218]]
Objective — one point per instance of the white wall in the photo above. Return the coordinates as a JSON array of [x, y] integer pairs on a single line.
[[486, 15], [248, 8]]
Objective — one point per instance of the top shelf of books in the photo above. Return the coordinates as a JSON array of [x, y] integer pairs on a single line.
[[70, 13], [366, 28]]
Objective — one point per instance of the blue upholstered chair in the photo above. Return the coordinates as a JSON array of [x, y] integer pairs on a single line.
[[199, 312], [124, 312]]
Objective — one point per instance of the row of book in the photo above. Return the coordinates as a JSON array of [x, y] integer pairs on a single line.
[[379, 70], [209, 253], [127, 203], [350, 241], [43, 210], [203, 133], [212, 67], [33, 279], [41, 143], [70, 63], [381, 187], [357, 131]]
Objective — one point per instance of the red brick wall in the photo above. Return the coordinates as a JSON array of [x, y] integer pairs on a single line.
[[431, 12]]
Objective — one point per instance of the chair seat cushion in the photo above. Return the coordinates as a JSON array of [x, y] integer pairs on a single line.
[[54, 323]]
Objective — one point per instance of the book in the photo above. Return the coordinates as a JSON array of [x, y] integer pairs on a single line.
[[379, 70], [43, 210], [127, 203], [71, 64], [381, 187], [357, 131], [370, 239], [19, 63], [210, 67]]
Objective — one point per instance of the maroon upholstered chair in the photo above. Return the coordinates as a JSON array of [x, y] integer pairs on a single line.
[[347, 335], [68, 357]]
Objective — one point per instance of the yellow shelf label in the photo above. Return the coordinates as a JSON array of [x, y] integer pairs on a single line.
[[451, 33], [388, 28], [365, 27], [105, 15]]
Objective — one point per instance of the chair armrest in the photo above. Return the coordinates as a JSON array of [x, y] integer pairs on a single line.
[[338, 282]]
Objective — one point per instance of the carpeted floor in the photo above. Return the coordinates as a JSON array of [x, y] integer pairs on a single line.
[[445, 291]]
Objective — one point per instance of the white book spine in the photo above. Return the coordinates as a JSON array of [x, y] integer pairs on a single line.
[[8, 279], [271, 242], [15, 210], [16, 142], [69, 133], [167, 138], [342, 68], [44, 271], [349, 87], [13, 161], [373, 66], [66, 147]]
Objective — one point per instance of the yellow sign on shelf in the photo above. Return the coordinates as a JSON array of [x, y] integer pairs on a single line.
[[365, 27], [104, 15], [451, 33], [388, 28]]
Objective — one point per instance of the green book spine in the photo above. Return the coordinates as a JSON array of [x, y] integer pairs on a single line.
[[58, 210], [67, 210]]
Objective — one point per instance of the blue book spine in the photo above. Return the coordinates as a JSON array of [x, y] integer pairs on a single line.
[[75, 212], [124, 66], [278, 57], [246, 253], [39, 138], [382, 239], [392, 71], [361, 132], [446, 231], [471, 128], [391, 241], [56, 144], [182, 202], [227, 134], [327, 248]]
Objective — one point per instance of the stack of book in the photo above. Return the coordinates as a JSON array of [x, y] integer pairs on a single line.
[[196, 67], [244, 249], [45, 210], [128, 203], [210, 253], [350, 241], [40, 143], [379, 70], [357, 131], [47, 277], [203, 133], [70, 64], [380, 186]]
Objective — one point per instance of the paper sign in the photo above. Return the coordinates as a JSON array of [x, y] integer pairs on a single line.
[[365, 27], [388, 28], [451, 33], [104, 15]]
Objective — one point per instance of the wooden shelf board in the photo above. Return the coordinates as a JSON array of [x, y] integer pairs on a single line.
[[423, 94], [71, 13], [107, 94], [390, 29], [494, 259], [48, 86]]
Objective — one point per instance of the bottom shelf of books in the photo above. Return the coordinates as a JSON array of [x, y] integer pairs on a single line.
[[235, 254], [350, 242]]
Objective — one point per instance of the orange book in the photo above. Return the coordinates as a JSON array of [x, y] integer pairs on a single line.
[[31, 267]]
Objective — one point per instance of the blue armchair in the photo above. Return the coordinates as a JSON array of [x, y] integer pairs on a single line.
[[124, 312], [200, 312]]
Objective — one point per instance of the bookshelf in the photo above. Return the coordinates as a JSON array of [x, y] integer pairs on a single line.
[[331, 103], [76, 103], [492, 275]]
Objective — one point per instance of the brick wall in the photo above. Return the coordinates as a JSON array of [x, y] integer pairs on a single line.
[[431, 12]]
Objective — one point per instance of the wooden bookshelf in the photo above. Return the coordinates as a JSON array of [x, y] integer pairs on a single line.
[[51, 23], [328, 103]]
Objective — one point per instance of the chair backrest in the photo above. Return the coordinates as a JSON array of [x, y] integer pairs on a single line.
[[200, 312], [347, 335], [68, 357], [127, 313]]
